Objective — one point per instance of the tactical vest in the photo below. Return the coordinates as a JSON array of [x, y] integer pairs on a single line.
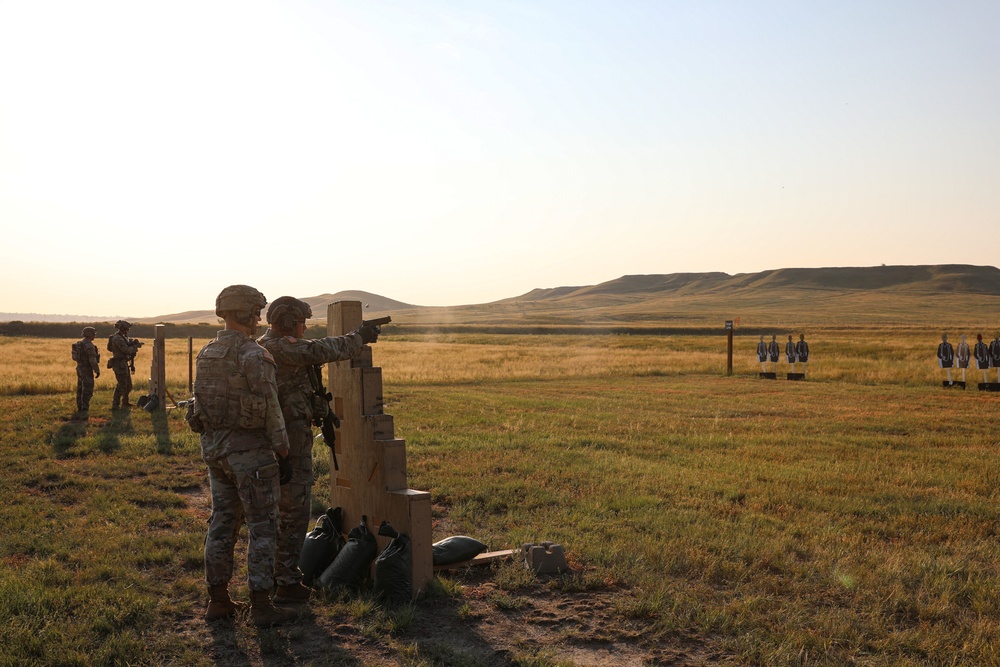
[[296, 392], [222, 392]]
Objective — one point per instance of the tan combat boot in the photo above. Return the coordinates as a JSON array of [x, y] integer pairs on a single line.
[[294, 594], [219, 603], [264, 613]]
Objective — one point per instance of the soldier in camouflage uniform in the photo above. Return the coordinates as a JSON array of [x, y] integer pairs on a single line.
[[122, 349], [244, 443], [299, 382], [88, 367]]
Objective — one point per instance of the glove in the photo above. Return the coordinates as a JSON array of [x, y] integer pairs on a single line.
[[284, 469], [98, 374], [369, 333]]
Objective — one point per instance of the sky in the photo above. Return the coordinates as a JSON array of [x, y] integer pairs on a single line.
[[447, 152]]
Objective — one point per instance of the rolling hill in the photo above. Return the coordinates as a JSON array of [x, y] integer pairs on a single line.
[[833, 296]]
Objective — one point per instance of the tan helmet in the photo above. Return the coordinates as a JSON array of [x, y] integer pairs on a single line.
[[285, 311], [89, 331], [240, 300]]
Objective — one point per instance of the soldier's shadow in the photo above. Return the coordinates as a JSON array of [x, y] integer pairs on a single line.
[[109, 438], [65, 436]]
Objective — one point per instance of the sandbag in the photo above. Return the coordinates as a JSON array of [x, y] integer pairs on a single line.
[[394, 571], [456, 549], [352, 566], [322, 544]]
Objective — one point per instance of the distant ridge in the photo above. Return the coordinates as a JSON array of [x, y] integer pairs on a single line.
[[373, 303], [875, 293], [960, 278]]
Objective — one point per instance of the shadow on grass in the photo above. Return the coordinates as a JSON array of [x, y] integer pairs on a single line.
[[238, 642], [66, 436], [108, 440], [161, 430]]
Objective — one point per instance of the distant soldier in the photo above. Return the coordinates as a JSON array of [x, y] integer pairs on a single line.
[[244, 444], [946, 355], [802, 351], [962, 356], [773, 351], [88, 366], [301, 394], [122, 362], [790, 353], [995, 355], [981, 352], [762, 355]]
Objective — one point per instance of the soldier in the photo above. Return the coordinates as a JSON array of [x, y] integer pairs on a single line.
[[802, 351], [762, 355], [122, 362], [302, 402], [88, 367], [244, 443], [982, 354]]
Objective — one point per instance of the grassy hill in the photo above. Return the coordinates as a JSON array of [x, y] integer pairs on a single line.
[[857, 297], [879, 296]]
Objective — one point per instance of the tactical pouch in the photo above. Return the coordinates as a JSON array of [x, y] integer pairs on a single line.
[[76, 352], [111, 363], [193, 417], [262, 487], [253, 411]]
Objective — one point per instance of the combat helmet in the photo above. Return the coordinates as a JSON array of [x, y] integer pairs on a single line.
[[89, 331], [286, 310], [122, 324], [241, 301]]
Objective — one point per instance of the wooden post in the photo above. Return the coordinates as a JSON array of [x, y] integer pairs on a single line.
[[158, 367], [729, 354], [372, 476]]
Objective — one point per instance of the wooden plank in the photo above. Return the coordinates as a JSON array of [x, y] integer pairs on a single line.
[[482, 559]]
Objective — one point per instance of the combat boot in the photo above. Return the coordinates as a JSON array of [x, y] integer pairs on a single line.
[[294, 594], [220, 605], [264, 613]]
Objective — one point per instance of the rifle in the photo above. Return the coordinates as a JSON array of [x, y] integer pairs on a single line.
[[327, 419], [131, 357]]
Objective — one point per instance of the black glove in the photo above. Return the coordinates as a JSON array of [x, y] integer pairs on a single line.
[[369, 333], [284, 469]]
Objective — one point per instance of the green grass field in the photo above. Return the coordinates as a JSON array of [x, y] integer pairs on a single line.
[[848, 519]]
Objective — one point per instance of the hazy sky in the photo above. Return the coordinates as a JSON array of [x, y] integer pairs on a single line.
[[452, 152]]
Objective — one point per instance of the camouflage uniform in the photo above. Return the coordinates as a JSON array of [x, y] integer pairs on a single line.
[[296, 359], [87, 368], [122, 350], [236, 409]]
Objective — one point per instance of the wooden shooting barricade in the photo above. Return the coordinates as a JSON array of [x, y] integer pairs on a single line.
[[372, 476], [158, 366]]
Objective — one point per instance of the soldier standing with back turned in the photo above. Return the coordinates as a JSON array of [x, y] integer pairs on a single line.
[[122, 362], [88, 367], [244, 444], [299, 392]]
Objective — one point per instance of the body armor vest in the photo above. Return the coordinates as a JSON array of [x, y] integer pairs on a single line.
[[296, 391], [221, 390]]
